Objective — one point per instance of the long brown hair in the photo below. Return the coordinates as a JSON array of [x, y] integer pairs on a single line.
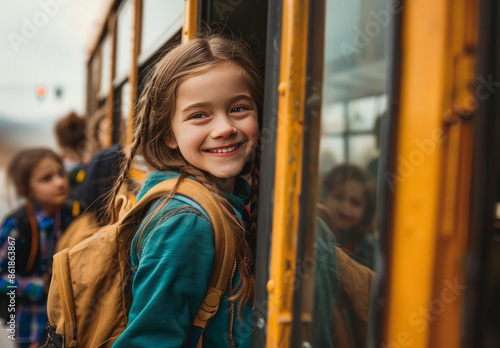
[[155, 111]]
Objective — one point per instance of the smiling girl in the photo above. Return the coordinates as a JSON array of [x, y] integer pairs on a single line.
[[28, 237], [349, 194], [197, 118]]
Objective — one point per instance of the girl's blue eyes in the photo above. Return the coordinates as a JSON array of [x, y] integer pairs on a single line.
[[198, 116], [233, 110]]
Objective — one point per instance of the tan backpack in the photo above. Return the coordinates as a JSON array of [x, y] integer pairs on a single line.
[[78, 230], [86, 224], [90, 293]]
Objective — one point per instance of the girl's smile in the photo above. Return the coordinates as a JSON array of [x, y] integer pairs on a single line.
[[215, 123], [225, 150]]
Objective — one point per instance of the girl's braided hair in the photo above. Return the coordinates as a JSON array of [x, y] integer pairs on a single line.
[[155, 111]]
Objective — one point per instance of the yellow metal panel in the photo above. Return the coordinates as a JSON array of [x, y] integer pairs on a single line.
[[190, 20], [433, 178], [288, 170], [445, 308], [416, 180]]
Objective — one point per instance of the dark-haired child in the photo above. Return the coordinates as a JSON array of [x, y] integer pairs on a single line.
[[27, 240], [71, 138]]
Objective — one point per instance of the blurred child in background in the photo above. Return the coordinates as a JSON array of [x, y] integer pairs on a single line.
[[27, 240], [71, 138], [100, 130], [104, 163]]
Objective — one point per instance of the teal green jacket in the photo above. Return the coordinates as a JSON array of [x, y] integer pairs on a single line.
[[326, 286], [172, 261]]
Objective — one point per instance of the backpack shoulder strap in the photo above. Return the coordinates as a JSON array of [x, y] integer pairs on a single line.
[[28, 229], [34, 237], [224, 249], [224, 242]]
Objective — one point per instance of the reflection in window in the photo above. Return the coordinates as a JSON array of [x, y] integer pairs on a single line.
[[332, 152], [124, 39], [353, 93], [353, 102], [350, 130], [364, 111], [333, 120], [106, 66], [349, 195], [160, 21], [362, 149]]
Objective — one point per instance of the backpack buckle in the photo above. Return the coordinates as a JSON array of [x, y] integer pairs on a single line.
[[51, 339], [210, 304]]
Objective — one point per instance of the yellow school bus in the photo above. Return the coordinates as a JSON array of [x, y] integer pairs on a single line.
[[406, 89]]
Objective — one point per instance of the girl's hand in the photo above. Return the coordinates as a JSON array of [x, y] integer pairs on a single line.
[[34, 345]]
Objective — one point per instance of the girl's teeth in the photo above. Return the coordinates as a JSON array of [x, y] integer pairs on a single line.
[[227, 149]]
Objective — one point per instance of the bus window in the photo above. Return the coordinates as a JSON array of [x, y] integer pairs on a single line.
[[105, 66], [124, 40], [125, 101], [354, 101], [332, 151], [160, 21], [232, 17], [121, 109], [146, 68], [94, 78], [361, 116]]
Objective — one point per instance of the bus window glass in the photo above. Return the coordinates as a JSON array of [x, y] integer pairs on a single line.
[[106, 67], [332, 151], [160, 21], [333, 122], [121, 109], [362, 149], [93, 71], [125, 101], [124, 40], [354, 100], [364, 111]]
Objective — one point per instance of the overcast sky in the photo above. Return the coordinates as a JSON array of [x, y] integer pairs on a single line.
[[44, 42]]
